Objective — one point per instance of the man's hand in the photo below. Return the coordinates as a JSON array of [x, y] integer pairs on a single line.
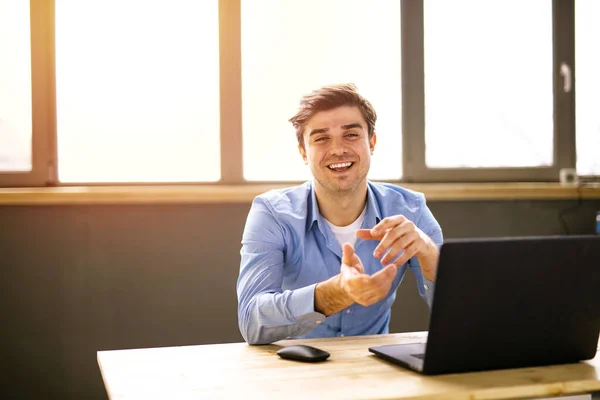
[[360, 287], [398, 234]]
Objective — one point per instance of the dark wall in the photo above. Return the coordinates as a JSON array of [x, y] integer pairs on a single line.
[[78, 279]]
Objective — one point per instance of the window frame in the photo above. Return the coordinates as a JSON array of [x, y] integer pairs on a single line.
[[44, 134], [43, 103], [416, 169]]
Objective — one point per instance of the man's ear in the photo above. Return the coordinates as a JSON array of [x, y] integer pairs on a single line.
[[303, 153], [372, 142]]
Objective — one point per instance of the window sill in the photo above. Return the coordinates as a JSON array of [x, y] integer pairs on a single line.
[[245, 193]]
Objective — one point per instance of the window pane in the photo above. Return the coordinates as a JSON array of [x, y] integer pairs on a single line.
[[488, 83], [15, 86], [587, 92], [290, 48], [137, 90]]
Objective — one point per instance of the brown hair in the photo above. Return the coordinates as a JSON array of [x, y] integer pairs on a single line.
[[328, 98]]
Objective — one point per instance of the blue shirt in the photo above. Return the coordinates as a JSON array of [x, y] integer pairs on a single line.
[[288, 247]]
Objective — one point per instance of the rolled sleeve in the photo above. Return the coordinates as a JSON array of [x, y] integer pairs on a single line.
[[301, 304], [266, 313], [430, 226], [429, 289]]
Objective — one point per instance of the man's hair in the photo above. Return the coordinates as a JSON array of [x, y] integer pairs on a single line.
[[328, 98]]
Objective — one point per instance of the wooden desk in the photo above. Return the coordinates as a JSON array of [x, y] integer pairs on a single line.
[[238, 370]]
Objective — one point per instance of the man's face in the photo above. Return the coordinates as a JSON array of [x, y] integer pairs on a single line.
[[337, 149]]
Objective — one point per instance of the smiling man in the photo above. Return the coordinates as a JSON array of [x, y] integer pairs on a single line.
[[325, 258]]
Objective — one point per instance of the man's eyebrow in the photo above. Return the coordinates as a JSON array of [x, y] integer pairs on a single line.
[[318, 130], [350, 126], [344, 127]]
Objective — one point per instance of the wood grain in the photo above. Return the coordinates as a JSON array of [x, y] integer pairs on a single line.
[[245, 193], [238, 370]]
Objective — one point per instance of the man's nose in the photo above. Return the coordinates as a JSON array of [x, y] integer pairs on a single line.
[[338, 147]]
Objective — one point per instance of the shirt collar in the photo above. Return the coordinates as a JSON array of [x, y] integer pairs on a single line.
[[313, 208], [372, 216]]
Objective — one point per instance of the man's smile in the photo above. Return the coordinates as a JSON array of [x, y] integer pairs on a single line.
[[341, 166]]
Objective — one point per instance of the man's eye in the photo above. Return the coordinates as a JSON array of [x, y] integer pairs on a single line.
[[320, 139], [352, 134]]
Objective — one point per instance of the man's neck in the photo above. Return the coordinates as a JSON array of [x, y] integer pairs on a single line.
[[341, 209]]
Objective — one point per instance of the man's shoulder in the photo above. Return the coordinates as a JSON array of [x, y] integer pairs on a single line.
[[293, 198], [392, 193]]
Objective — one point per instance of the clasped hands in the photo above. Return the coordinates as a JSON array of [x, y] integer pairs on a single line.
[[396, 234]]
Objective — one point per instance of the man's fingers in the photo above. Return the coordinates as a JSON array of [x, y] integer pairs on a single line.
[[349, 257], [400, 244], [409, 252], [347, 253], [366, 234], [387, 223], [387, 274], [392, 235], [367, 290], [376, 288]]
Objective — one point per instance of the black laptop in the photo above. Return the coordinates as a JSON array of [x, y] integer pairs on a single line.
[[509, 303]]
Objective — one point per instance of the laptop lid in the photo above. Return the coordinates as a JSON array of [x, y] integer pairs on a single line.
[[514, 302]]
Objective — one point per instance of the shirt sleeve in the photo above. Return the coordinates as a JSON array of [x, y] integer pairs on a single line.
[[429, 225], [266, 313]]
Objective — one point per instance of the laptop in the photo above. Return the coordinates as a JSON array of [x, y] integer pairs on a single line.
[[509, 303]]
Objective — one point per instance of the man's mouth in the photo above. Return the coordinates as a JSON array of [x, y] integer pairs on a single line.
[[341, 167]]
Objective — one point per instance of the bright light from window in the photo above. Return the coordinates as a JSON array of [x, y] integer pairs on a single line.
[[587, 92], [290, 48], [15, 86], [488, 83], [137, 87]]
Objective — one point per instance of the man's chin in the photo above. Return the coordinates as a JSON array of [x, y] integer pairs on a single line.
[[342, 186]]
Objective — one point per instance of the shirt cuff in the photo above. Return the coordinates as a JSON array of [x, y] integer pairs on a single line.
[[301, 305], [429, 287]]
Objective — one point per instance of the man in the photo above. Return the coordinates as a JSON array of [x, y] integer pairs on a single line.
[[325, 258]]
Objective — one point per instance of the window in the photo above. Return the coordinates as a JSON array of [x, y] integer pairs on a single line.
[[15, 87], [488, 83], [137, 88], [185, 91], [290, 48], [587, 91]]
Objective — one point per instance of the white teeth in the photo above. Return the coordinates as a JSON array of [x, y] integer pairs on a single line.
[[340, 165]]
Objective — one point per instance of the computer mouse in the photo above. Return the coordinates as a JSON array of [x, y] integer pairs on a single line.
[[301, 352]]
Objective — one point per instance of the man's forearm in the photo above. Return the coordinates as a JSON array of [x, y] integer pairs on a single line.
[[270, 317], [429, 261], [330, 298]]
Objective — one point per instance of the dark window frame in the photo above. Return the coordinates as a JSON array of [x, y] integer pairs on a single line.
[[416, 169]]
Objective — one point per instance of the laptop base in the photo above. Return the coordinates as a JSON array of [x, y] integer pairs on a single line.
[[406, 355]]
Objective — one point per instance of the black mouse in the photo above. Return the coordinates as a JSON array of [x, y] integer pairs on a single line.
[[301, 352]]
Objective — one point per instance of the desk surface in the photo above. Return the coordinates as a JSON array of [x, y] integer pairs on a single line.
[[238, 370]]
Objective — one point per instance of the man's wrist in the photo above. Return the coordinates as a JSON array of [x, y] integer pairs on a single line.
[[330, 297], [428, 261]]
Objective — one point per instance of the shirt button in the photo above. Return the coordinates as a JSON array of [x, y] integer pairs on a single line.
[[348, 311], [341, 335], [426, 287]]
